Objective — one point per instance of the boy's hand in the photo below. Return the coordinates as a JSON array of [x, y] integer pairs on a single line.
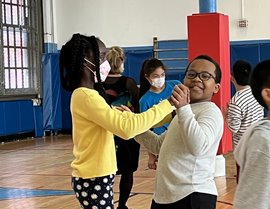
[[180, 96]]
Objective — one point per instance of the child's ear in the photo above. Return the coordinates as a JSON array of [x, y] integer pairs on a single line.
[[232, 78], [147, 78], [266, 95], [217, 87]]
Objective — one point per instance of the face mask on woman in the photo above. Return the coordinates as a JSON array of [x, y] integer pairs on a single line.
[[121, 69], [104, 70], [158, 82]]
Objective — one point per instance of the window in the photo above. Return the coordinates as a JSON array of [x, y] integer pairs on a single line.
[[21, 41]]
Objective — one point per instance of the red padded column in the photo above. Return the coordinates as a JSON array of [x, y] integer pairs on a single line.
[[209, 34]]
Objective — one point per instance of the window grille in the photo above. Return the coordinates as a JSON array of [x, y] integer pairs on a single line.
[[20, 49]]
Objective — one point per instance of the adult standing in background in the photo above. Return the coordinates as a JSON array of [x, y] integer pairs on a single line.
[[123, 90]]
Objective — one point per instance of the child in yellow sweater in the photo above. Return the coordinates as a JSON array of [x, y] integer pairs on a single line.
[[83, 68]]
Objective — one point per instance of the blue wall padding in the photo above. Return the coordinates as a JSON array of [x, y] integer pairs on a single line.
[[264, 52], [56, 101], [134, 61], [38, 121], [50, 48], [52, 104], [2, 119], [208, 6], [13, 121], [66, 115], [54, 114], [250, 53], [26, 119], [16, 117]]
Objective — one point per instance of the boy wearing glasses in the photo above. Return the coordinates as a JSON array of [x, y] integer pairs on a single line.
[[187, 152]]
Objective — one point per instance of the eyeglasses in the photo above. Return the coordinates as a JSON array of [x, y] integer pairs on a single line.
[[204, 76]]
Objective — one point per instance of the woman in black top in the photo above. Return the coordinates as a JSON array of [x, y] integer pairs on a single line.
[[123, 90]]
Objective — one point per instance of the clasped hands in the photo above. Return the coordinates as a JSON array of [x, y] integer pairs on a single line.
[[180, 96]]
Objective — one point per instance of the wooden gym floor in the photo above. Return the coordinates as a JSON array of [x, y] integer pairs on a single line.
[[35, 174]]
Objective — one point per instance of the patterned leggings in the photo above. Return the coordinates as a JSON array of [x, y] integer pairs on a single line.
[[94, 193]]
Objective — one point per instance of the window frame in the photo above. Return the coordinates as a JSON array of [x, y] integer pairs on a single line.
[[34, 35]]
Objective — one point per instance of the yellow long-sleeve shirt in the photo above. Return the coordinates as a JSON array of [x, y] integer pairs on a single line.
[[95, 122]]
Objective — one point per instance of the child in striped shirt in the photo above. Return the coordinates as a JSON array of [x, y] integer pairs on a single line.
[[253, 150], [243, 109]]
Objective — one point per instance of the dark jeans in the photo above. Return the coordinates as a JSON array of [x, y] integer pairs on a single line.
[[193, 201]]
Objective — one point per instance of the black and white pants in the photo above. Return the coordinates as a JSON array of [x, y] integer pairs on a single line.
[[94, 193]]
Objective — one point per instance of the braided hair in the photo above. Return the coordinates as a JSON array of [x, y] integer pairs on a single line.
[[71, 62], [148, 67]]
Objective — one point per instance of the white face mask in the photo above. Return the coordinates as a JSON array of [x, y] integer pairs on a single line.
[[104, 70], [158, 82], [122, 68]]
